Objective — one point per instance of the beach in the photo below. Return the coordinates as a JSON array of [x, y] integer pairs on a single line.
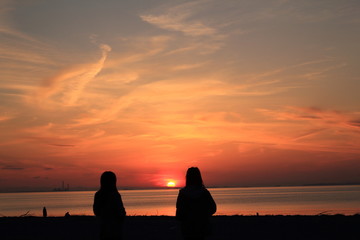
[[167, 227]]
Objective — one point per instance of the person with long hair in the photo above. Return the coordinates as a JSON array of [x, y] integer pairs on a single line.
[[194, 207], [109, 208]]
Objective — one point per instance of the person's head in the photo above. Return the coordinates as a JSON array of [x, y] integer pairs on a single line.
[[193, 177], [108, 180]]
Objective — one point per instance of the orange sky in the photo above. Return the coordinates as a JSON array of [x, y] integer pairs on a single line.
[[254, 93]]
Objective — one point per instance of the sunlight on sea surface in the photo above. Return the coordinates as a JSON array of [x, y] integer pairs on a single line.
[[230, 201]]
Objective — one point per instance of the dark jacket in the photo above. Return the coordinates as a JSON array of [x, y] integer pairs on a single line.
[[108, 204], [194, 207], [109, 208]]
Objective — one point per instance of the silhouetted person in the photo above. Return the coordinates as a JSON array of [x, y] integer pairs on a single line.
[[194, 207], [109, 208], [44, 212]]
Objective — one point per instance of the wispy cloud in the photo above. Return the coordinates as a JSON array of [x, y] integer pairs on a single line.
[[12, 168], [177, 23], [187, 66], [170, 92], [178, 18], [185, 18], [69, 83], [316, 115], [317, 129], [317, 12], [139, 49], [4, 118], [6, 26]]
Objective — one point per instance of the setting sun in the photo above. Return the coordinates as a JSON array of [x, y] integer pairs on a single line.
[[170, 184]]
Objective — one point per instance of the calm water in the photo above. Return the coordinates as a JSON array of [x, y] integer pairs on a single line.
[[230, 201]]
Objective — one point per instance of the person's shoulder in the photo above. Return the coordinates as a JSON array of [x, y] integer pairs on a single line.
[[207, 191], [182, 190]]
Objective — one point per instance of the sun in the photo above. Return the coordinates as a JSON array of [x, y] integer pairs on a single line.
[[171, 184]]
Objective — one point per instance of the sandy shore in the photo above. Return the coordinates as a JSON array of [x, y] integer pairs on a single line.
[[162, 227]]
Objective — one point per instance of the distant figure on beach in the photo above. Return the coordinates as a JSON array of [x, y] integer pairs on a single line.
[[109, 208], [44, 212], [194, 207]]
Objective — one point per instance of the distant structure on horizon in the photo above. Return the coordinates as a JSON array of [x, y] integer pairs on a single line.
[[62, 188]]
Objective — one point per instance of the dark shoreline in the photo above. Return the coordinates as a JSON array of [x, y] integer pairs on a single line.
[[167, 228]]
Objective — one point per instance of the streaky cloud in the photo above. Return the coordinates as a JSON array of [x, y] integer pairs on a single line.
[[178, 18], [68, 85], [12, 168], [178, 23]]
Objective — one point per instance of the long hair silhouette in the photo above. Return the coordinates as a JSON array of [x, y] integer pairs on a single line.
[[193, 177], [109, 208], [194, 207], [108, 181]]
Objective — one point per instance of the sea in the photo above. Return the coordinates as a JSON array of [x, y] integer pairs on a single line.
[[304, 200]]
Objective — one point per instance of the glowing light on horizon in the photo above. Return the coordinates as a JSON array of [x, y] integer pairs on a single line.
[[171, 184]]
